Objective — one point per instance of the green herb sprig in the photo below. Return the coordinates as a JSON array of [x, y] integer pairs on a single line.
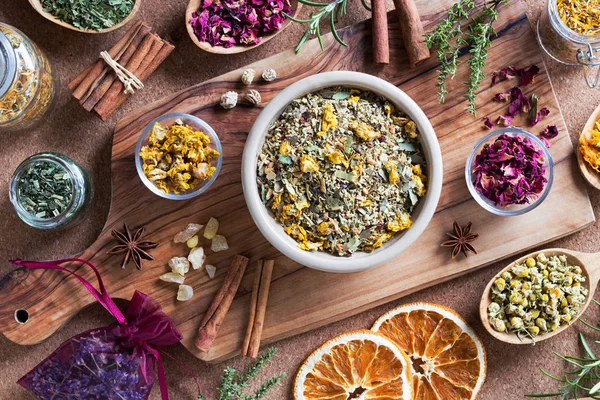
[[449, 37], [581, 376], [326, 11], [233, 383]]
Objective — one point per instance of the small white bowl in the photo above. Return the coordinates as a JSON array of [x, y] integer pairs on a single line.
[[359, 261]]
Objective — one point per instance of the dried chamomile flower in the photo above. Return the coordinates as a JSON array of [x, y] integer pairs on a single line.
[[219, 243], [269, 75], [192, 242], [248, 76], [229, 100], [187, 233], [179, 265], [211, 270], [211, 228], [185, 293], [197, 257], [172, 277], [253, 97]]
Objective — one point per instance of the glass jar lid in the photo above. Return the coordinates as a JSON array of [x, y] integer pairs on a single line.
[[8, 64]]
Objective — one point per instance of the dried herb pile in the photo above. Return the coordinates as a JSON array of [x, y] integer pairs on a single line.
[[581, 16], [341, 170], [45, 189], [89, 14]]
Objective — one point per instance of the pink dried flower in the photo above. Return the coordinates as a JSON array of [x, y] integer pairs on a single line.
[[544, 111], [487, 122], [550, 132], [505, 120]]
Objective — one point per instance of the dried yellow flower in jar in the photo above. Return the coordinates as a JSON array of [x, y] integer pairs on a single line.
[[177, 158], [581, 16]]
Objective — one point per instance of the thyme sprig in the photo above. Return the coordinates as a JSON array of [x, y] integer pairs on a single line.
[[327, 11], [233, 383], [449, 37], [581, 376]]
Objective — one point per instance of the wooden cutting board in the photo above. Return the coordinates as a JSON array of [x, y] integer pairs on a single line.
[[302, 299]]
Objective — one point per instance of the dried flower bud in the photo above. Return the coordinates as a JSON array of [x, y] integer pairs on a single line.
[[229, 100], [269, 75], [248, 76], [253, 97]]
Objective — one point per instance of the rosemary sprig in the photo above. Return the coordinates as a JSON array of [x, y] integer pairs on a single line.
[[233, 383], [327, 11], [449, 37], [581, 376]]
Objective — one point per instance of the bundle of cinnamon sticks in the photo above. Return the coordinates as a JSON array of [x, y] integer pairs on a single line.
[[140, 51]]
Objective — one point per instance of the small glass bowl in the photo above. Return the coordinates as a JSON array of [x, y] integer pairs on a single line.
[[196, 123], [83, 192], [514, 209]]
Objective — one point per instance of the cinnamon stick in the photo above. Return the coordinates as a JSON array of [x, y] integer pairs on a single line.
[[253, 304], [131, 60], [88, 79], [220, 305], [412, 31], [381, 47], [261, 308], [107, 106]]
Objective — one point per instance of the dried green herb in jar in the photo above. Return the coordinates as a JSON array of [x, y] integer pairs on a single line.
[[537, 296], [45, 189], [87, 14]]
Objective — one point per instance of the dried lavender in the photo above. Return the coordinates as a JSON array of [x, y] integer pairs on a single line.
[[90, 366]]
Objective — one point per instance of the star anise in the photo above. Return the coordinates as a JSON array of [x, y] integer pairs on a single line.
[[460, 240], [132, 246]]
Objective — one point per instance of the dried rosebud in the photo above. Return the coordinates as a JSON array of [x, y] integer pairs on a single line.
[[550, 132], [229, 100], [253, 97], [248, 76], [487, 122], [269, 75], [545, 112], [504, 120]]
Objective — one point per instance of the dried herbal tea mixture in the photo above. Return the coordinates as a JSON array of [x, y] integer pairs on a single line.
[[581, 16], [45, 189], [342, 171], [177, 158], [89, 14], [537, 296]]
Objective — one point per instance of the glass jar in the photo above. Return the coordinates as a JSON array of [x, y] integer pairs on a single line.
[[26, 81], [82, 192]]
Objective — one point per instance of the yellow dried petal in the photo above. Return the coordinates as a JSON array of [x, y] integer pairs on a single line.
[[285, 148], [308, 164]]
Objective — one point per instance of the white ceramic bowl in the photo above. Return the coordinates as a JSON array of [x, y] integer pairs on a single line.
[[359, 261]]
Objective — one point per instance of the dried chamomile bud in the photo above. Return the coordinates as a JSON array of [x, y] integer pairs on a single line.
[[192, 242], [179, 265], [187, 233], [211, 270], [248, 76], [172, 277], [197, 257], [498, 324], [229, 100], [269, 75], [185, 293], [219, 243], [253, 97], [211, 228]]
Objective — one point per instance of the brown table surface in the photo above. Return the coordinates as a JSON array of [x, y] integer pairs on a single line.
[[512, 371]]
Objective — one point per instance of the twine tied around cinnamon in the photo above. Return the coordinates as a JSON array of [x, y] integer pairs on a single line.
[[130, 81]]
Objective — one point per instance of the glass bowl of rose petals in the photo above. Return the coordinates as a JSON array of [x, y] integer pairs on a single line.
[[509, 172], [178, 156]]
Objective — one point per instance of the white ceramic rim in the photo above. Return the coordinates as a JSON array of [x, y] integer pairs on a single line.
[[359, 261]]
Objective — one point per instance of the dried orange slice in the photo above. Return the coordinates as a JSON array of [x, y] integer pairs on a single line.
[[447, 358], [355, 365]]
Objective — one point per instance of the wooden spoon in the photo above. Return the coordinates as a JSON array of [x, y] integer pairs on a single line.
[[588, 172], [194, 5], [590, 267], [37, 6]]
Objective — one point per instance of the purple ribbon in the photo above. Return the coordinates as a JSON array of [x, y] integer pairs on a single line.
[[144, 328]]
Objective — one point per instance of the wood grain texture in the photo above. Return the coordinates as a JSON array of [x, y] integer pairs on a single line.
[[300, 298]]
